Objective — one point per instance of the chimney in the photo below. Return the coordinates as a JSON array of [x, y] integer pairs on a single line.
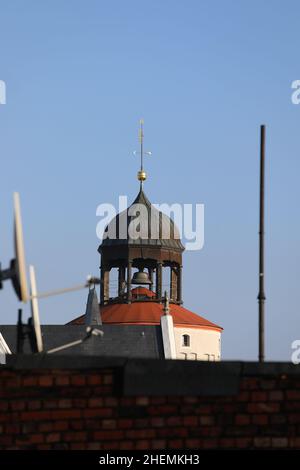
[[167, 329], [92, 313]]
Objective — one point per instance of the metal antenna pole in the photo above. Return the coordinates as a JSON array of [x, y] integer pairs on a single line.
[[261, 295]]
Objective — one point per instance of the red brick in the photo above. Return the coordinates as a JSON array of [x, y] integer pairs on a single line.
[[127, 401], [155, 444], [17, 405], [276, 395], [259, 396], [260, 419], [14, 382], [36, 438], [66, 403], [30, 381], [262, 442], [175, 444], [145, 445], [109, 424], [62, 381], [46, 381], [295, 442], [278, 419], [158, 400], [206, 420], [192, 443], [94, 380], [267, 384], [172, 432], [243, 442], [203, 409], [140, 434], [53, 437], [105, 435], [65, 414], [142, 401], [108, 379], [78, 380], [110, 445], [190, 421], [294, 418], [141, 423], [293, 394], [95, 402], [3, 405], [98, 412], [94, 446], [77, 425], [78, 445], [209, 444], [29, 427], [79, 403], [46, 426], [174, 421], [263, 407], [60, 425], [50, 404], [191, 400], [249, 383], [125, 423], [75, 436], [34, 405], [280, 442], [126, 445], [111, 401], [227, 443], [242, 420], [243, 396], [157, 422], [35, 415], [162, 410], [6, 440], [12, 428]]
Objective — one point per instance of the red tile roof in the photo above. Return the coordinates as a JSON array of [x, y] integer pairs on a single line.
[[148, 313]]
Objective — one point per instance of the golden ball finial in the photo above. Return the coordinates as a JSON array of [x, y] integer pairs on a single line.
[[142, 176]]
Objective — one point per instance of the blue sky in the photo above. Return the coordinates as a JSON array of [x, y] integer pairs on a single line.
[[204, 75]]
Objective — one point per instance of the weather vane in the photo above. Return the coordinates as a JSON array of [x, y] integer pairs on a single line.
[[141, 174]]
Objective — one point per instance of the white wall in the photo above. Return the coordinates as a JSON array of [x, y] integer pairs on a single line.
[[205, 345]]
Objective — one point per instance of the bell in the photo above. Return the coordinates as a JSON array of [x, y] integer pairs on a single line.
[[140, 278]]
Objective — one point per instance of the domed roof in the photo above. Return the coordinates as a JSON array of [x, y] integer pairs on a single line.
[[149, 313], [142, 224]]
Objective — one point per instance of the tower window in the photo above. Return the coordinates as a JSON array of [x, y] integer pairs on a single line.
[[186, 340]]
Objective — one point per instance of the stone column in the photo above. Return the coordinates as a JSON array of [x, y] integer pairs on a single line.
[[129, 270], [159, 280], [173, 284], [150, 271], [104, 285], [179, 284], [121, 280]]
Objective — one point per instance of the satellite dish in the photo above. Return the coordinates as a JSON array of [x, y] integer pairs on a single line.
[[19, 279], [17, 270], [35, 310]]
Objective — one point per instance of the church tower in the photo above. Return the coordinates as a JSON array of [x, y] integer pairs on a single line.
[[142, 246]]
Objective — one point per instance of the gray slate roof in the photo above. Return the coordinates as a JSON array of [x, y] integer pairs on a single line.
[[130, 341], [168, 234]]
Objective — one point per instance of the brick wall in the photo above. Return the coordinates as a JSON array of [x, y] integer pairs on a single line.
[[90, 408]]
